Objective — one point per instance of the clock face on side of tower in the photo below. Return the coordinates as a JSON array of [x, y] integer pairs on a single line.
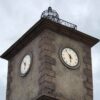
[[25, 64], [69, 58]]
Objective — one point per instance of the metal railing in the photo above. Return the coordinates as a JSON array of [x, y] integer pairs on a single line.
[[54, 16]]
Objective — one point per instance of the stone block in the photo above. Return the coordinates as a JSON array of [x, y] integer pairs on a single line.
[[88, 85], [46, 78], [45, 66], [48, 59], [50, 73], [48, 47]]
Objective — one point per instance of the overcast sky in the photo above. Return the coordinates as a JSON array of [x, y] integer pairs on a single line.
[[17, 16]]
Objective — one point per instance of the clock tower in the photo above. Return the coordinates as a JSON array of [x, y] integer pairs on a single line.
[[51, 61]]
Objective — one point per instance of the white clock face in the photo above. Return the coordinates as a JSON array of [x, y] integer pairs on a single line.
[[25, 65], [69, 57]]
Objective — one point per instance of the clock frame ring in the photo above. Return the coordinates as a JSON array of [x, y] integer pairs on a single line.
[[31, 60], [65, 64]]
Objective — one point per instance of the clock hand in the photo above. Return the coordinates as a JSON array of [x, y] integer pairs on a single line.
[[25, 63], [69, 56]]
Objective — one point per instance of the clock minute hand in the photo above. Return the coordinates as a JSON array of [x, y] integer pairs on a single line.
[[69, 56]]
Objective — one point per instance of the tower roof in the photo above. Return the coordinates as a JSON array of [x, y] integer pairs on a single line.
[[54, 16], [46, 23]]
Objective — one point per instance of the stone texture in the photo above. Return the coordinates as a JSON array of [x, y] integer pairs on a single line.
[[48, 72], [45, 66], [47, 75], [48, 59]]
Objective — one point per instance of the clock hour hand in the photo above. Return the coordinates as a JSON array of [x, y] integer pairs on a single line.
[[24, 63]]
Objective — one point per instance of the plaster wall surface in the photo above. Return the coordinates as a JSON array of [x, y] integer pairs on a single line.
[[26, 87], [70, 83]]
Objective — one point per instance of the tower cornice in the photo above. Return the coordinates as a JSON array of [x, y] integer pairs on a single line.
[[42, 25]]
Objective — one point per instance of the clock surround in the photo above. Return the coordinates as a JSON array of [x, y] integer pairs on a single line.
[[25, 71], [72, 67]]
